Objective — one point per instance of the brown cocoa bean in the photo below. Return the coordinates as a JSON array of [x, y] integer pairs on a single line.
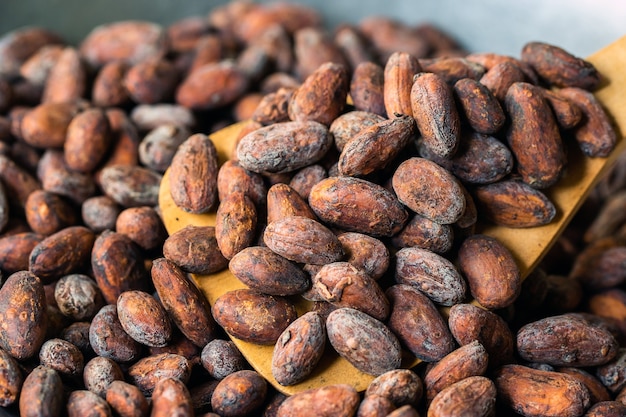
[[440, 198], [366, 253], [20, 44], [534, 392], [480, 159], [363, 341], [99, 373], [212, 86], [425, 233], [357, 205], [273, 107], [87, 140], [149, 370], [261, 269], [42, 393], [48, 213], [78, 296], [540, 162], [151, 81], [170, 395], [338, 400], [283, 201], [232, 178], [62, 356], [452, 68], [474, 395], [235, 224], [303, 240], [108, 88], [374, 147], [185, 304], [194, 249], [436, 114], [344, 285], [253, 316], [61, 253], [375, 406], [128, 40], [566, 112], [67, 80], [367, 88], [126, 400], [15, 250], [613, 374], [597, 391], [464, 362], [513, 203], [239, 394], [11, 379], [131, 186], [432, 274], [595, 134], [399, 70], [45, 126], [491, 271], [479, 106], [348, 124], [144, 318], [558, 67], [108, 338], [401, 386], [418, 324], [142, 225], [57, 177], [469, 323], [221, 358], [283, 147], [83, 402], [501, 76], [117, 265], [565, 341], [298, 349]]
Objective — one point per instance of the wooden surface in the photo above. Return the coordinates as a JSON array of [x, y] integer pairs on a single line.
[[527, 245]]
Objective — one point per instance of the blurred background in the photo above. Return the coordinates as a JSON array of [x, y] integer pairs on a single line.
[[580, 26]]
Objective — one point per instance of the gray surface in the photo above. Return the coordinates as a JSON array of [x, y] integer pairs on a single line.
[[580, 26]]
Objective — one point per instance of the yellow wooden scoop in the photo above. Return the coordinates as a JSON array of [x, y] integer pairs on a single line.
[[527, 245]]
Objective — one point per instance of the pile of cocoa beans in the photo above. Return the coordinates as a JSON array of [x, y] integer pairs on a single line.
[[369, 154]]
